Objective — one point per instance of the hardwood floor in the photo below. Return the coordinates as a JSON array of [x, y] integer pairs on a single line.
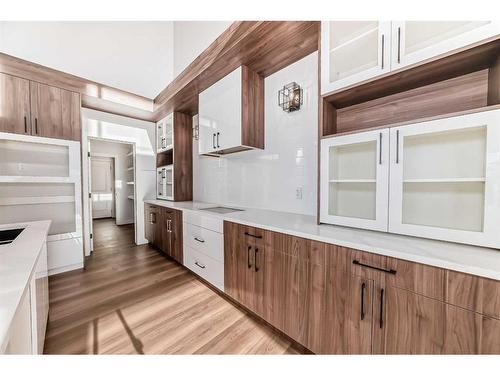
[[132, 299]]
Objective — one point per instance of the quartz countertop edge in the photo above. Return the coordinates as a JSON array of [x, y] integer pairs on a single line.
[[17, 265], [475, 260]]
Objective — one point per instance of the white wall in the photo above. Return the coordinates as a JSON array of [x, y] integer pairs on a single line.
[[269, 178], [191, 38], [133, 56], [124, 207], [141, 134]]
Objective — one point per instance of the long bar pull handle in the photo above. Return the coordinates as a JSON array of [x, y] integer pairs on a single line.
[[383, 57], [253, 235], [381, 308], [397, 146], [358, 263], [213, 140], [199, 265], [255, 259], [363, 287], [399, 45], [380, 149], [248, 257], [36, 126], [25, 125], [218, 146], [199, 239]]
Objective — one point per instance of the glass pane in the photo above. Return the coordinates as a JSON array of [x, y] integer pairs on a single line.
[[19, 158], [354, 161], [452, 205], [168, 176], [422, 34], [352, 199], [159, 134], [353, 48], [159, 183], [449, 154], [169, 123]]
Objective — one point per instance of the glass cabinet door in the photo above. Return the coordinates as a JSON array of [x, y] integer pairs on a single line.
[[165, 133], [414, 41], [354, 180], [445, 178], [353, 51]]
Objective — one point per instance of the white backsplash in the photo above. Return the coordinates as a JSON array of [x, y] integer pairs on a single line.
[[270, 178]]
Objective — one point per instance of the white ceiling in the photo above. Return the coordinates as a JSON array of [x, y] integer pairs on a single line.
[[133, 56]]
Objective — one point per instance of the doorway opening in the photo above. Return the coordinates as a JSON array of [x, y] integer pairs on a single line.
[[111, 180]]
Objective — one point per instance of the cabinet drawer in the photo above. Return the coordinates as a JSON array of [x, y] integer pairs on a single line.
[[205, 241], [425, 280], [209, 222], [204, 266]]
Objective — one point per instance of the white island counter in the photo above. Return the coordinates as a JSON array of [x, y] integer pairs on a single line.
[[24, 289]]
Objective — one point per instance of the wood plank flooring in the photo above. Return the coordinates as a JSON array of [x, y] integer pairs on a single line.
[[133, 300]]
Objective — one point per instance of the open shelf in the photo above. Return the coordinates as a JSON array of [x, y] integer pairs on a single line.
[[355, 180], [444, 180], [130, 197], [130, 183], [467, 80], [130, 168]]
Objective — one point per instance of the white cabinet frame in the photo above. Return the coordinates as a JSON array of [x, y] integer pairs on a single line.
[[381, 137], [383, 65], [162, 128], [400, 59], [490, 236]]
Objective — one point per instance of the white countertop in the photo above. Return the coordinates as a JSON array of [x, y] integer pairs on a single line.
[[475, 260], [17, 264]]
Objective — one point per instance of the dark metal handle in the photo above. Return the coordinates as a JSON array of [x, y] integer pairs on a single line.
[[218, 139], [397, 146], [36, 126], [363, 286], [25, 125], [199, 240], [399, 45], [381, 308], [255, 259], [199, 265], [358, 263], [380, 149], [213, 140], [383, 42], [248, 257], [252, 235]]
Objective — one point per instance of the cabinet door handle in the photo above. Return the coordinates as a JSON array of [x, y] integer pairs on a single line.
[[358, 263], [381, 308], [36, 126], [213, 140], [218, 140], [363, 286], [199, 265], [248, 257], [25, 125], [397, 146], [199, 240], [380, 149], [253, 235], [255, 259], [399, 45], [383, 52]]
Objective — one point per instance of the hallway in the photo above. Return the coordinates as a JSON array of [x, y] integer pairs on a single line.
[[132, 299]]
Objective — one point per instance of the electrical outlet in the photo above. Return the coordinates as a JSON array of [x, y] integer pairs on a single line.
[[20, 167], [298, 193]]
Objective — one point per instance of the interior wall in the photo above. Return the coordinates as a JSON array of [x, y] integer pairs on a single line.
[[191, 38], [141, 134], [124, 55], [270, 178], [124, 207]]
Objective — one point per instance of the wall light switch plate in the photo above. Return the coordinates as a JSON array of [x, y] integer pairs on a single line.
[[298, 193]]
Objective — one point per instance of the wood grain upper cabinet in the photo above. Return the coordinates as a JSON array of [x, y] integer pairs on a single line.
[[14, 105], [55, 113], [415, 41], [231, 114], [353, 51], [408, 323]]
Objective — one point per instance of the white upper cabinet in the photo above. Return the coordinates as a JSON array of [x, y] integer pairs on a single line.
[[165, 133], [353, 51], [415, 41], [220, 114], [356, 51], [445, 179], [354, 180]]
